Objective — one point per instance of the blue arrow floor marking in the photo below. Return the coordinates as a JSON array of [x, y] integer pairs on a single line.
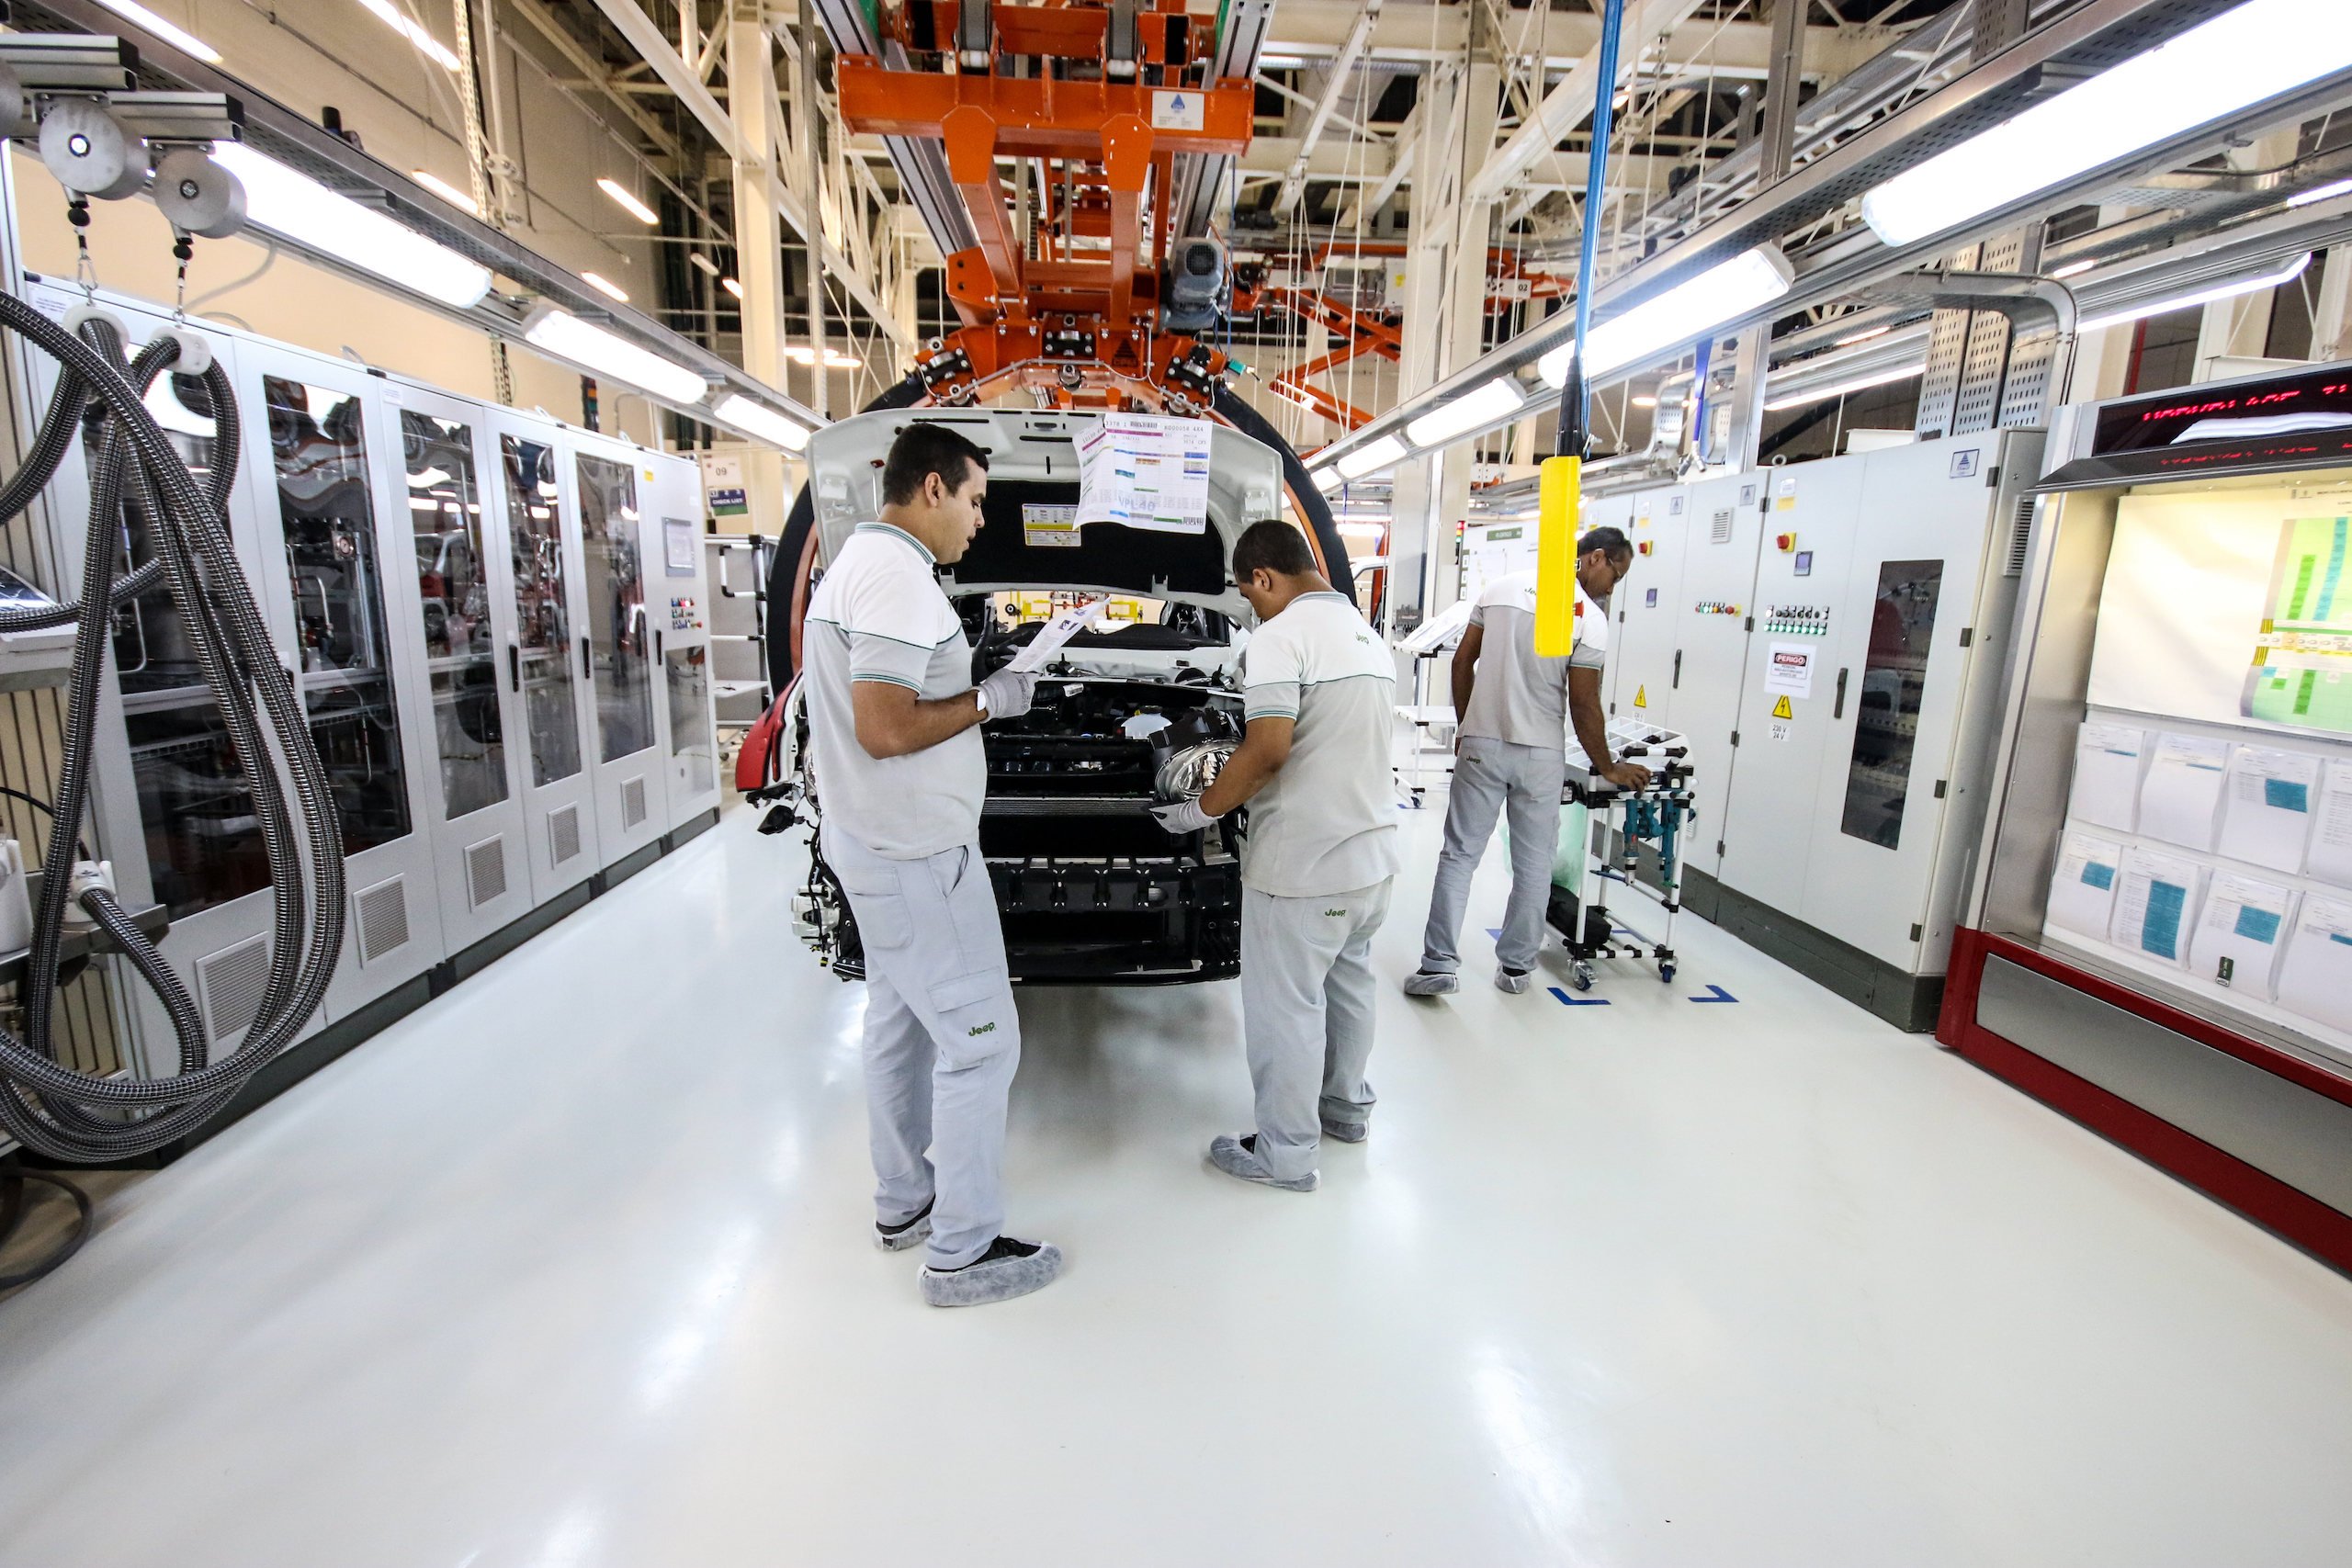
[[1719, 995], [1578, 1001]]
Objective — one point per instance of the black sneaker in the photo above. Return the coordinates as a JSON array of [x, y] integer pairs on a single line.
[[904, 1235], [1007, 1268]]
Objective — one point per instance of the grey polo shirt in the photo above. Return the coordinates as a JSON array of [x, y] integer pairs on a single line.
[[879, 615], [1326, 822], [1518, 697]]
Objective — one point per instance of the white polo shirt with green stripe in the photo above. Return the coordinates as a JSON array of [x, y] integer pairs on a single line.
[[1326, 822], [879, 614]]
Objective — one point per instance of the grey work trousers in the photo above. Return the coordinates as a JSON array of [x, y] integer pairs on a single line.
[[942, 1039], [1487, 773], [1306, 999]]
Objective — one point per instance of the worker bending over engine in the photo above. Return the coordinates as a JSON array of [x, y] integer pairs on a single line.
[[1313, 765]]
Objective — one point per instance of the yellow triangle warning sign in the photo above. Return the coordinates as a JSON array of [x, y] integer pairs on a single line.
[[1781, 710], [1641, 696]]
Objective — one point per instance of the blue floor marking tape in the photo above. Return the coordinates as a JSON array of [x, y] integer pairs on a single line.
[[1578, 1001], [1719, 995]]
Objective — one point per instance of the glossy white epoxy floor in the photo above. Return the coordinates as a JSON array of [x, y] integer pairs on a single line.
[[569, 1270]]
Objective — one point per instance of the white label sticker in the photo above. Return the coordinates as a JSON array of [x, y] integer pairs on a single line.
[[1782, 731], [1052, 527], [1178, 112], [1963, 463], [1789, 668]]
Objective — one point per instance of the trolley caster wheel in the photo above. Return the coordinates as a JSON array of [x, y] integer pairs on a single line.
[[1666, 974], [1580, 977]]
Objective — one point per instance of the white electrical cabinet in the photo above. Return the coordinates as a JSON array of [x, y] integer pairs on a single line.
[[1640, 680], [1827, 637], [496, 625]]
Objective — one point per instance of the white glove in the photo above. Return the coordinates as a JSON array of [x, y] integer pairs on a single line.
[[1183, 816], [1006, 693]]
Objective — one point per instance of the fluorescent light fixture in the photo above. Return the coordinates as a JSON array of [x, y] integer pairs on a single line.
[[2258, 52], [625, 199], [566, 336], [703, 262], [302, 210], [1863, 337], [423, 503], [1645, 401], [1327, 478], [445, 191], [1858, 384], [1498, 399], [1363, 530], [2320, 193], [388, 12], [1747, 283], [605, 286], [1281, 61], [2073, 269], [731, 286], [427, 478], [758, 419], [2271, 279], [1364, 460], [801, 353], [139, 15]]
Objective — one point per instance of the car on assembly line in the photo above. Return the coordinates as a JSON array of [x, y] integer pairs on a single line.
[[1090, 887]]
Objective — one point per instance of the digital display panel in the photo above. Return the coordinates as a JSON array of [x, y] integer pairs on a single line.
[[2250, 413]]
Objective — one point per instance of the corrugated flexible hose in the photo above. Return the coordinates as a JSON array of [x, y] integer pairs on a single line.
[[46, 1105]]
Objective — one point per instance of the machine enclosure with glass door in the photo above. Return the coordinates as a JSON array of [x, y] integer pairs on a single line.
[[377, 522], [1828, 637], [2157, 940]]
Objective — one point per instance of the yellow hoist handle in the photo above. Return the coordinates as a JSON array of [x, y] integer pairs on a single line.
[[1558, 498]]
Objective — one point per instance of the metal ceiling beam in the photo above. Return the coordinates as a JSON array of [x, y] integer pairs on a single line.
[[680, 77], [1423, 34], [1327, 103], [2097, 34], [1571, 103], [303, 145]]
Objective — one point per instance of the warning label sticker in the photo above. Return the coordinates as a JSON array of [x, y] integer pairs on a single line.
[[1781, 709], [1641, 696], [1050, 528]]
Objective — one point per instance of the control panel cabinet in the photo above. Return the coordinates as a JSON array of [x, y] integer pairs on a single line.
[[1898, 797], [466, 603], [626, 765], [1794, 688], [508, 684], [171, 809], [1724, 526], [531, 485], [338, 583], [678, 588], [1643, 666]]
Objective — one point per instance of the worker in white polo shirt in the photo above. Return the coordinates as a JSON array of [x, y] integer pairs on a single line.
[[1318, 694], [895, 743], [1514, 710]]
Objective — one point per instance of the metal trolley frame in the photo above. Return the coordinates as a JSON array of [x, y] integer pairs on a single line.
[[1658, 815]]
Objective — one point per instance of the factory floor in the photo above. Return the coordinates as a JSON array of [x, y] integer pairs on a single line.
[[571, 1268]]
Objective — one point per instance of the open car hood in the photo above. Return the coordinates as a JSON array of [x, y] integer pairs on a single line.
[[1033, 463]]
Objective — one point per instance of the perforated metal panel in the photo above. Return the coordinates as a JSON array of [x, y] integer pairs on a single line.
[[563, 834], [632, 802], [1947, 351], [2021, 539], [383, 919], [486, 870], [229, 986]]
